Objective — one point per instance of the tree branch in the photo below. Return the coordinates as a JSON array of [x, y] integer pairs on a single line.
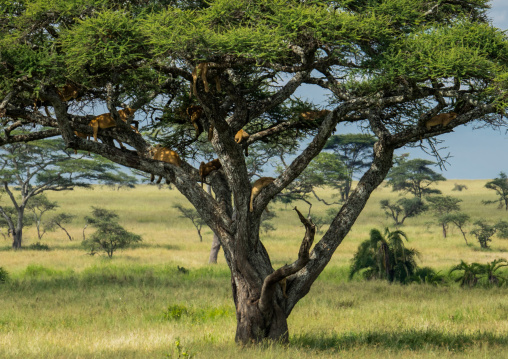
[[271, 281]]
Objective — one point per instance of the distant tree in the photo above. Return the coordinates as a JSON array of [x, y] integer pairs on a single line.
[[354, 150], [403, 208], [414, 176], [483, 232], [109, 236], [326, 170], [192, 215], [58, 221], [35, 167], [459, 187], [442, 206], [459, 219], [266, 225], [500, 186], [39, 205], [385, 257]]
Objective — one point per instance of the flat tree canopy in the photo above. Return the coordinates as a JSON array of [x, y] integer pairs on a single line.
[[219, 66]]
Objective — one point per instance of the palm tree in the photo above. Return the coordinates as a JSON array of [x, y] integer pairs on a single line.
[[385, 257], [470, 273], [490, 269]]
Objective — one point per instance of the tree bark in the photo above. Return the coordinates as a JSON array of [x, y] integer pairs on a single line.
[[214, 252]]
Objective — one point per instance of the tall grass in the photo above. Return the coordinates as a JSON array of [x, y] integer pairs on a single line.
[[64, 303]]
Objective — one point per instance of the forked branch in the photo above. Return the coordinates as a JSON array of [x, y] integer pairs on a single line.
[[271, 281]]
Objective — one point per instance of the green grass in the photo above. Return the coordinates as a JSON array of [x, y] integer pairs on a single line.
[[63, 303]]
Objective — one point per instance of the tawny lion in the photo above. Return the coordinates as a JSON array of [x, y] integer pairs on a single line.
[[106, 121], [166, 155], [241, 137], [206, 168], [441, 119], [257, 187], [312, 115]]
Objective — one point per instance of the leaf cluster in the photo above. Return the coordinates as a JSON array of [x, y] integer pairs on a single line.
[[109, 235]]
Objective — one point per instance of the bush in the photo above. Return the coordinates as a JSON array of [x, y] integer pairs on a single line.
[[4, 275], [38, 247], [109, 235], [385, 257]]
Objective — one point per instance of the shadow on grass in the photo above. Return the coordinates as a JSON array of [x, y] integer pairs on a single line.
[[76, 245], [404, 340]]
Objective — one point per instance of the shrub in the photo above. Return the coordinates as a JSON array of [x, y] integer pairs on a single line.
[[385, 257], [38, 246], [4, 275], [109, 235]]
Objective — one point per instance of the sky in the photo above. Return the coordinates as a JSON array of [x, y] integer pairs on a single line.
[[474, 154]]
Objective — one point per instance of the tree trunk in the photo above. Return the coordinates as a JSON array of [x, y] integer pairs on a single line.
[[214, 252], [257, 292], [16, 238], [17, 233], [444, 230], [253, 325]]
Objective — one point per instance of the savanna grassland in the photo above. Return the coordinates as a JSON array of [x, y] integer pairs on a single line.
[[64, 303]]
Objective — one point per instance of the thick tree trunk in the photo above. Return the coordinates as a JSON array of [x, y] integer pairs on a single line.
[[16, 238], [253, 325], [257, 291], [214, 252]]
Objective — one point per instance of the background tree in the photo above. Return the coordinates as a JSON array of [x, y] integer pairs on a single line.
[[35, 167], [459, 219], [58, 221], [326, 170], [193, 216], [483, 232], [414, 176], [385, 257], [354, 150], [443, 206], [39, 205], [388, 67], [403, 208], [500, 186], [109, 236]]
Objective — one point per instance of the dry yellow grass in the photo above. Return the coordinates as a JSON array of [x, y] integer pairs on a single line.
[[67, 304]]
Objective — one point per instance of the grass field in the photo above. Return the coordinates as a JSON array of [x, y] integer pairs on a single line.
[[64, 303]]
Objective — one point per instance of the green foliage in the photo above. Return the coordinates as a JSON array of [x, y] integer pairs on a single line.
[[469, 275], [4, 275], [500, 186], [427, 275], [109, 235], [385, 257], [443, 207], [476, 273], [175, 312], [414, 176], [354, 150], [483, 232], [38, 246], [403, 208]]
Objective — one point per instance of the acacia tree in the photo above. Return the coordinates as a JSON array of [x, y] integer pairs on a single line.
[[355, 152], [389, 66], [414, 176], [500, 186], [36, 167]]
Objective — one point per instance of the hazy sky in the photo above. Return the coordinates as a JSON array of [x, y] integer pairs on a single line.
[[478, 154]]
